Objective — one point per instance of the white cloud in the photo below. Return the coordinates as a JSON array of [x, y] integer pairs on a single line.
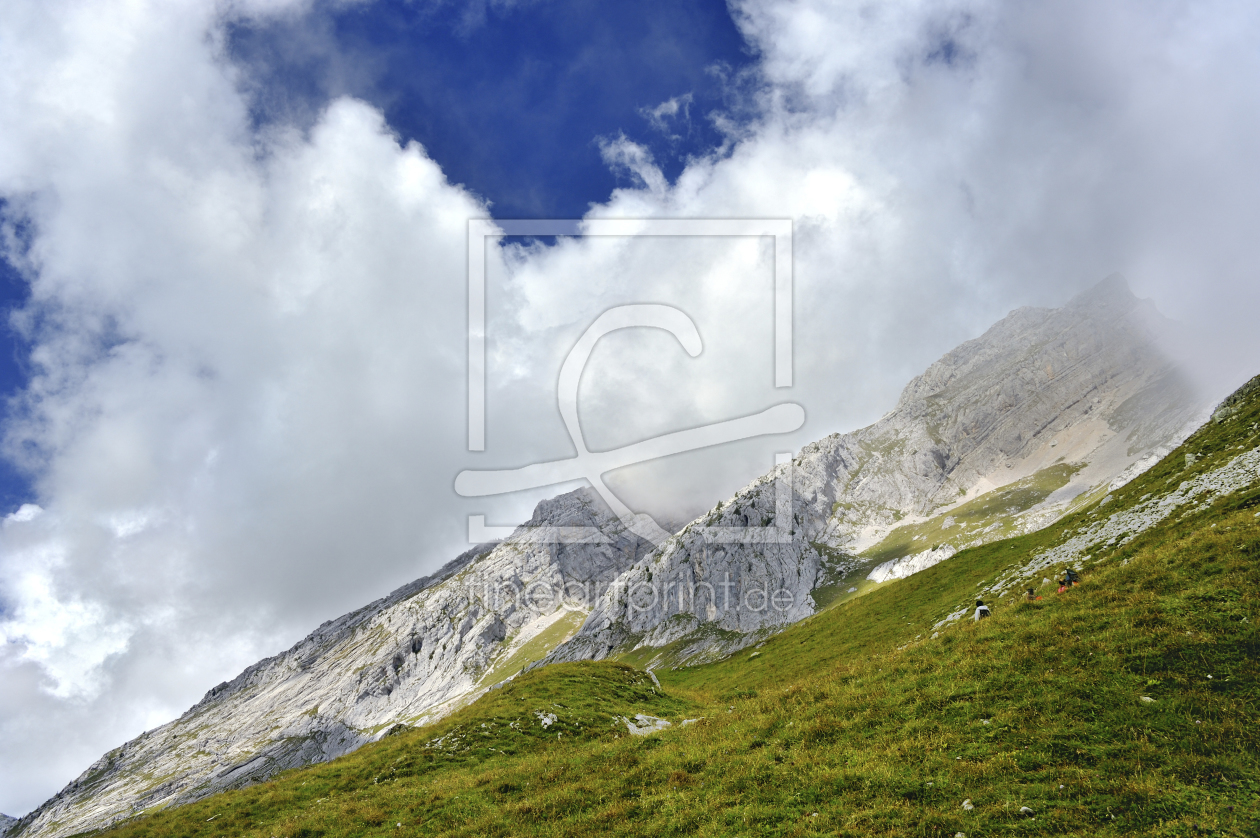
[[629, 157], [247, 377], [68, 638], [25, 512], [248, 404], [666, 116]]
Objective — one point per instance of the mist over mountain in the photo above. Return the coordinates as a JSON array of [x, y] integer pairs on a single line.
[[1084, 386]]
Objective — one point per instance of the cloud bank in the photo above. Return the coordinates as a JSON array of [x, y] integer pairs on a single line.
[[248, 398]]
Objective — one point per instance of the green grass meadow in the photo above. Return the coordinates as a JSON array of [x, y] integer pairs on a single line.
[[1129, 705]]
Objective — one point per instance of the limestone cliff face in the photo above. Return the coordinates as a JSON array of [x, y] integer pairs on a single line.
[[420, 652], [1083, 385]]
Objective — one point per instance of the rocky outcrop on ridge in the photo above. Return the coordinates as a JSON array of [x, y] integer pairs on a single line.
[[1084, 384], [408, 658]]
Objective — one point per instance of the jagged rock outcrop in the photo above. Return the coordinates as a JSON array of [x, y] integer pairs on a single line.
[[6, 823], [1085, 384], [408, 658]]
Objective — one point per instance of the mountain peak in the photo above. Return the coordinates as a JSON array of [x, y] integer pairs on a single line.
[[1110, 291]]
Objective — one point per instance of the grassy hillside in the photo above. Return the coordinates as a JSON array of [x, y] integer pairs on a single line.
[[989, 517], [1129, 705]]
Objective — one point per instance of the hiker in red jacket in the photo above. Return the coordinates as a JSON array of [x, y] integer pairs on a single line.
[[1069, 580]]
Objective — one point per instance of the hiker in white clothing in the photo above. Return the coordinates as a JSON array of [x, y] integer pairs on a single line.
[[982, 610]]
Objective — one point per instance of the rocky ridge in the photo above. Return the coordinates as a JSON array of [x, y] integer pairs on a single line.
[[409, 658], [1085, 385]]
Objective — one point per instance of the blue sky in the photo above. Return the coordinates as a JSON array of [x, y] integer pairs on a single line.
[[242, 388], [14, 486], [512, 101]]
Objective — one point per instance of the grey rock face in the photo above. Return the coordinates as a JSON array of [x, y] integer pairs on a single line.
[[424, 650], [6, 824], [1083, 384], [712, 597], [1089, 385]]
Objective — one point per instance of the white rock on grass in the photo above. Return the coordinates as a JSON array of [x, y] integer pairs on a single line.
[[644, 724], [910, 565], [1122, 527]]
